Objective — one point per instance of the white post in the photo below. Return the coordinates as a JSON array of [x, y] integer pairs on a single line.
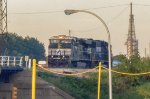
[[29, 65], [26, 59], [2, 61], [14, 61], [8, 61], [26, 64], [20, 62]]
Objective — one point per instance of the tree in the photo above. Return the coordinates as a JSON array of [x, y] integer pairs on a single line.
[[131, 65], [144, 90], [124, 62], [18, 46]]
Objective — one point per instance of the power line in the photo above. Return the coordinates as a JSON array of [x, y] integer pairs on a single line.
[[118, 15], [110, 21], [141, 5], [107, 7], [37, 12], [47, 12]]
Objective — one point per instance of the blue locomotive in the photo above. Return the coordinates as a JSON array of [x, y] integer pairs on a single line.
[[66, 51]]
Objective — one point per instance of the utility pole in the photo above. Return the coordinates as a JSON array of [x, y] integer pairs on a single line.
[[3, 24], [132, 42]]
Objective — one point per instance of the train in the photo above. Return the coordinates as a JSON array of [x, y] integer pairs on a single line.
[[68, 51]]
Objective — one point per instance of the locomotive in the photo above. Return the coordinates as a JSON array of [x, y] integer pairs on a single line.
[[67, 51]]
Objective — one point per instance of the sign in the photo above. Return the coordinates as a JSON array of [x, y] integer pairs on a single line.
[[58, 52], [26, 58]]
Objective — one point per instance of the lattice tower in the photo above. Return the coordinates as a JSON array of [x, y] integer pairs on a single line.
[[3, 16], [132, 42], [3, 25]]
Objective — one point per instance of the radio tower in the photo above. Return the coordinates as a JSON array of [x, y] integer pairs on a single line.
[[3, 24], [132, 42], [3, 16]]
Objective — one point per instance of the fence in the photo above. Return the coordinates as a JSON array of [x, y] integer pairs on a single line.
[[7, 61]]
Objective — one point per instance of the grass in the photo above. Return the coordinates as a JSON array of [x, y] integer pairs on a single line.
[[86, 88]]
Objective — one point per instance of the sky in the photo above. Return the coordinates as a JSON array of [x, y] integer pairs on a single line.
[[45, 18]]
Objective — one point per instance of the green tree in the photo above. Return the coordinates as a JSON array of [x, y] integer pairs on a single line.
[[131, 65], [18, 46], [144, 90]]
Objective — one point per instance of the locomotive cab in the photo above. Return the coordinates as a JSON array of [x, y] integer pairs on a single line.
[[59, 51], [66, 51]]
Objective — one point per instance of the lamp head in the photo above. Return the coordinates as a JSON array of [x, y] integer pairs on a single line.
[[68, 12]]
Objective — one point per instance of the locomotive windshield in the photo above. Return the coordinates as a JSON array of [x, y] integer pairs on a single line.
[[53, 43], [65, 43], [61, 44]]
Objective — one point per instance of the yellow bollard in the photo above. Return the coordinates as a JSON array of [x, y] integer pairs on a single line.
[[99, 83], [34, 79], [14, 92]]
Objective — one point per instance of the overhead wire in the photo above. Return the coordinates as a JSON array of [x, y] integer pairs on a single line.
[[113, 19], [44, 12], [108, 22], [146, 5], [107, 7], [47, 12], [118, 15]]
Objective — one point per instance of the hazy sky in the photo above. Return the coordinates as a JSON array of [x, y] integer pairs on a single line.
[[37, 23]]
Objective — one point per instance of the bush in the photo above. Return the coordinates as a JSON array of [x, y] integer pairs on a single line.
[[144, 90]]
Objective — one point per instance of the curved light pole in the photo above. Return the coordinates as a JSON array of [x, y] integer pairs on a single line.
[[70, 11]]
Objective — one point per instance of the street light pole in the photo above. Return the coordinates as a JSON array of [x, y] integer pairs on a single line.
[[68, 12]]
